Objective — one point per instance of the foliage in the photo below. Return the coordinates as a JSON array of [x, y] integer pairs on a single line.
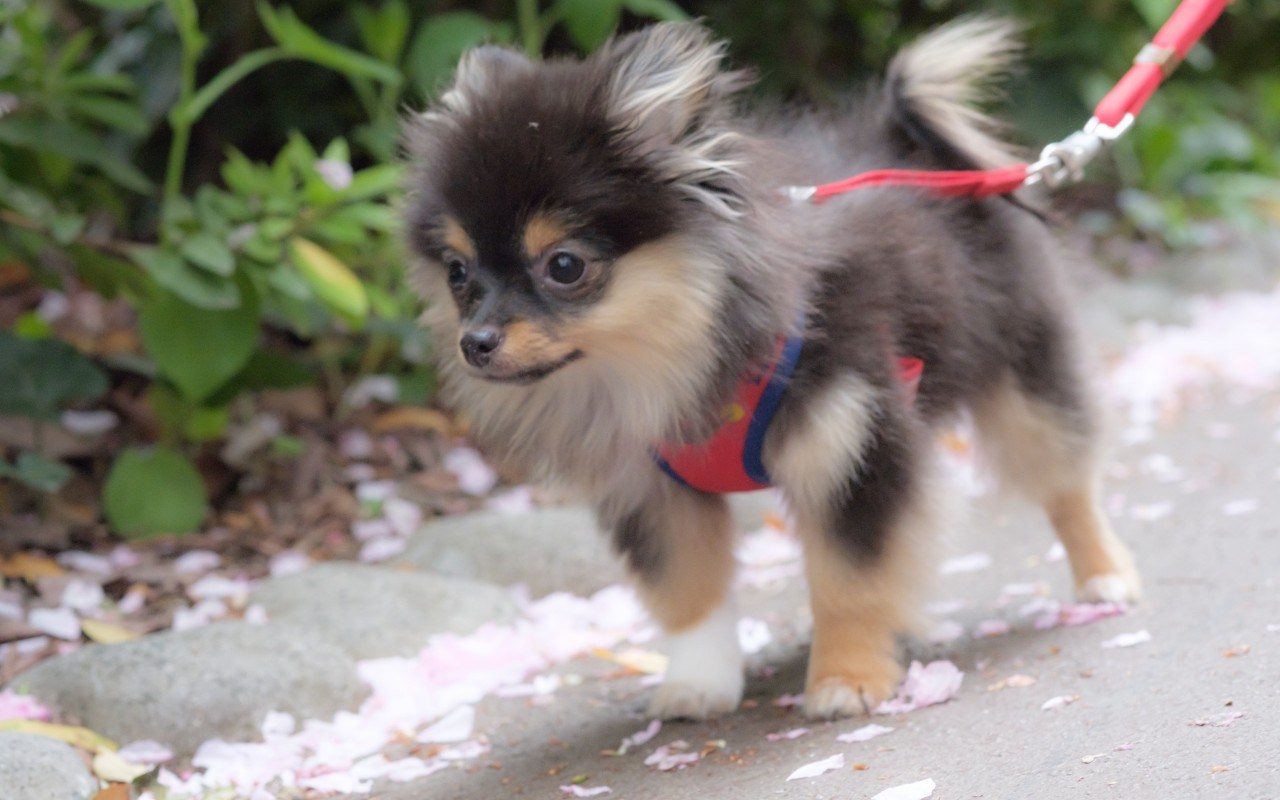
[[136, 509], [231, 176]]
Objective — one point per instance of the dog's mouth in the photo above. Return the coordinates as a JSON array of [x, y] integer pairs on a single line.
[[526, 375]]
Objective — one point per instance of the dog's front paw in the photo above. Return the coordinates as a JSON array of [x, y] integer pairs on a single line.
[[681, 700], [1113, 587], [851, 693]]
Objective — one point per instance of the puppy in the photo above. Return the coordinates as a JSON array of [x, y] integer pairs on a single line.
[[610, 262]]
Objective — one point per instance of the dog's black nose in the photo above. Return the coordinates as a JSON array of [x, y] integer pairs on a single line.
[[479, 345]]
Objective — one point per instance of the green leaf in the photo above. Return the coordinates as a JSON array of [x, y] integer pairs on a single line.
[[209, 252], [333, 282], [37, 472], [113, 112], [373, 182], [438, 45], [1155, 12], [198, 349], [30, 325], [656, 9], [64, 228], [50, 135], [194, 285], [107, 274], [42, 376], [266, 370], [383, 32], [295, 38], [153, 492], [589, 22]]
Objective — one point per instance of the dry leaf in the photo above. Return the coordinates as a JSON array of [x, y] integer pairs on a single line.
[[71, 734], [106, 632], [116, 791], [408, 417], [639, 660], [110, 767], [30, 568]]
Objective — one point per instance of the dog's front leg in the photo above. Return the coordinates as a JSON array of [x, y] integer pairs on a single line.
[[851, 462], [678, 546]]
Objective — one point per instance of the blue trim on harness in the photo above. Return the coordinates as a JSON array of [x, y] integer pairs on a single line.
[[753, 448], [751, 453]]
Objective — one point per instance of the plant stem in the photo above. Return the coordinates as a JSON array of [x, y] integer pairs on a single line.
[[530, 27], [189, 37], [191, 111]]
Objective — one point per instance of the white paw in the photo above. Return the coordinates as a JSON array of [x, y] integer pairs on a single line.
[[684, 701], [704, 669], [1110, 588]]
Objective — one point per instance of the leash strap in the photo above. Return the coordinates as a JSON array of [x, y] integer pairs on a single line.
[[1062, 161]]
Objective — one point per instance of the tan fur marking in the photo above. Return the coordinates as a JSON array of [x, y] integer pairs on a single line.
[[457, 238], [1031, 450], [1027, 445], [818, 453], [526, 344], [857, 610], [697, 562], [1092, 547], [540, 233]]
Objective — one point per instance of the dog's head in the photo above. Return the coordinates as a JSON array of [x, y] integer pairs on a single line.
[[560, 210]]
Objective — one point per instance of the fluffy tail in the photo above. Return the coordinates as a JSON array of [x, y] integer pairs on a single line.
[[936, 84]]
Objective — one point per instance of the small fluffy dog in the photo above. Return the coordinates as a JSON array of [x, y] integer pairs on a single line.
[[609, 259]]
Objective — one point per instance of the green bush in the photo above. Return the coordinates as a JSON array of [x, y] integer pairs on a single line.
[[232, 175]]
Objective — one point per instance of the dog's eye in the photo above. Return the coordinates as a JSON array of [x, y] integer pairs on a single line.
[[565, 268], [457, 267]]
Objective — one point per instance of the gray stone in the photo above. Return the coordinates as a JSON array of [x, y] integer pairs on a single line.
[[184, 688], [375, 611], [39, 768], [548, 550]]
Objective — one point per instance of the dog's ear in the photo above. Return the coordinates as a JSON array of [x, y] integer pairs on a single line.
[[662, 80], [478, 72], [667, 97]]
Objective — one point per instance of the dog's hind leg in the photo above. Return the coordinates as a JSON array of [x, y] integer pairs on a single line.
[[679, 549], [852, 465], [1044, 444]]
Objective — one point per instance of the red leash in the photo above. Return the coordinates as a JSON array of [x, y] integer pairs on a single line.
[[1063, 160]]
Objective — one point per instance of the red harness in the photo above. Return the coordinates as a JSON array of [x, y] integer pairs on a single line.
[[731, 460]]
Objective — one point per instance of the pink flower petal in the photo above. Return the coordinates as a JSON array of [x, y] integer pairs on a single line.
[[817, 768], [865, 733], [642, 737], [469, 467], [1060, 701], [672, 756], [196, 561], [924, 686], [456, 726], [910, 791], [794, 733], [61, 623], [989, 628], [972, 562], [1127, 639], [20, 706], [583, 791], [145, 752], [753, 635]]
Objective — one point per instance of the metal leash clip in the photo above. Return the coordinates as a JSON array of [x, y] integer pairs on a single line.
[[1065, 161]]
